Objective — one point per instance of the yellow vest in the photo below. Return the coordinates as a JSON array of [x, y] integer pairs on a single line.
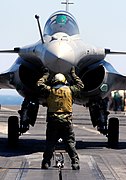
[[60, 100]]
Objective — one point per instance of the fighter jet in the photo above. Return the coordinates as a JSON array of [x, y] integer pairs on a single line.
[[60, 48]]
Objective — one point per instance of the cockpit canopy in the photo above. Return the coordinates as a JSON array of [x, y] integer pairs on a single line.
[[61, 21]]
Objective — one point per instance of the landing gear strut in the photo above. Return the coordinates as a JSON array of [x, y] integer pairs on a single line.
[[99, 118], [18, 126], [28, 114]]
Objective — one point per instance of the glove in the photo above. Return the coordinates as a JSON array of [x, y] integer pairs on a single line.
[[45, 75], [45, 71], [41, 81], [72, 71]]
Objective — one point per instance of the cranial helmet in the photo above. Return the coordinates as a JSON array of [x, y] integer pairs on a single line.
[[59, 78], [61, 19]]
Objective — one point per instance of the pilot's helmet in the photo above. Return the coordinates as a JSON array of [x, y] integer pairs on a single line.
[[59, 78], [61, 19]]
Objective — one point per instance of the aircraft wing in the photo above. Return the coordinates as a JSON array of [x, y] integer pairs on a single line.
[[115, 80], [5, 81]]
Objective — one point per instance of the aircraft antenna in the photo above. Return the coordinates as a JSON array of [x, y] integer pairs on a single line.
[[37, 17], [67, 3]]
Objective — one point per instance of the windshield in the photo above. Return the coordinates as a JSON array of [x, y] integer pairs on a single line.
[[61, 22]]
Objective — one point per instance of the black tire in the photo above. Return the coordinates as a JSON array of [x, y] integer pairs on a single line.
[[113, 133], [13, 131]]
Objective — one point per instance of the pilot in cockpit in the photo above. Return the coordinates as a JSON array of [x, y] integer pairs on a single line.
[[61, 20], [61, 23]]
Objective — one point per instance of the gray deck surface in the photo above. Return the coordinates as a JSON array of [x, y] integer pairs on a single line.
[[96, 160]]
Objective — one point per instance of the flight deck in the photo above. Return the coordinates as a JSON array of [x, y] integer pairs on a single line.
[[97, 161]]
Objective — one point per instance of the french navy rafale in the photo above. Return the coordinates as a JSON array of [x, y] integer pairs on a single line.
[[60, 48]]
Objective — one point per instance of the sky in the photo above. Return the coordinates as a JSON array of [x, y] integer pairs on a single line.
[[101, 23]]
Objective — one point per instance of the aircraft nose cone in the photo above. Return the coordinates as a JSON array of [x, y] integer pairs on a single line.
[[59, 57]]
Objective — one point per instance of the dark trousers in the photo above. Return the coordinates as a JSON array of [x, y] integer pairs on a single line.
[[56, 130]]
